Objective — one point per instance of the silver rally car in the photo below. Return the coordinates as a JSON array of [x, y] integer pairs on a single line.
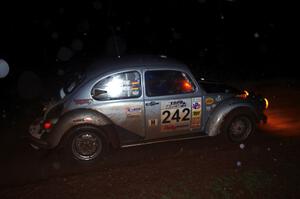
[[141, 100]]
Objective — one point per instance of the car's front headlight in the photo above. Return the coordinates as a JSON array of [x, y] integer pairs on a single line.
[[266, 103]]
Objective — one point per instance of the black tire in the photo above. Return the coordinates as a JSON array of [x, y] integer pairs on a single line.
[[86, 143], [239, 125]]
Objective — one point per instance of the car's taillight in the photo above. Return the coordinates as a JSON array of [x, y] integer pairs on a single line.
[[47, 125]]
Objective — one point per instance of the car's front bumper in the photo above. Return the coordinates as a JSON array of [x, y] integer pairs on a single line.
[[263, 118]]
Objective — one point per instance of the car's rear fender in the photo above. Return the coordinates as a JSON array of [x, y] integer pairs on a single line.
[[80, 117], [215, 121]]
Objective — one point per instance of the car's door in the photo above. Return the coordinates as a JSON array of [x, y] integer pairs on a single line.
[[172, 103], [119, 97]]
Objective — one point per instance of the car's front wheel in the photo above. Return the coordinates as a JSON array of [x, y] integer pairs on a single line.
[[239, 125], [86, 143]]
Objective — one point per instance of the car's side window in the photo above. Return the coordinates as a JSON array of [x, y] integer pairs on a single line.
[[118, 86], [167, 82]]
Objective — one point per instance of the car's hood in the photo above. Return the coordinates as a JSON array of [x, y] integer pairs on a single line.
[[216, 87]]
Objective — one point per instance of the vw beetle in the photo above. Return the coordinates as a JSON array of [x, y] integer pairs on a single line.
[[141, 100]]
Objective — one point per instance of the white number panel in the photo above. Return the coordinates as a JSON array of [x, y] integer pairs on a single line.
[[175, 115]]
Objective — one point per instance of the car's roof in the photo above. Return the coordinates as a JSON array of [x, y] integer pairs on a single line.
[[109, 65]]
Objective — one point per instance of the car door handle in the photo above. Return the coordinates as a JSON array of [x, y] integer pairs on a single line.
[[152, 103]]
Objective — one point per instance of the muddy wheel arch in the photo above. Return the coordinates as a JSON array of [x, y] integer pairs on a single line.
[[215, 122], [79, 117]]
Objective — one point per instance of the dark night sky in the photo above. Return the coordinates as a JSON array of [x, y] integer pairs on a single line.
[[243, 37]]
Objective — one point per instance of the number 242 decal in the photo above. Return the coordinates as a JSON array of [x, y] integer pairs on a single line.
[[176, 115]]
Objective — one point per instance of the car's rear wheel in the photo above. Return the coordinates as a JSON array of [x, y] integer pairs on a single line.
[[86, 143], [239, 125]]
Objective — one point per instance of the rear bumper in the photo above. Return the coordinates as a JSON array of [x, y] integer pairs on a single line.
[[38, 143], [37, 137]]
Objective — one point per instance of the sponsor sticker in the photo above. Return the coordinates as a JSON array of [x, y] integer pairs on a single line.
[[173, 104], [168, 127], [196, 105], [135, 88], [209, 101], [135, 92], [133, 111], [126, 83], [152, 122], [196, 112], [208, 108], [173, 127], [219, 98]]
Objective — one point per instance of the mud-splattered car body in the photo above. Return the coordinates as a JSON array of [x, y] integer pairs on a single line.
[[141, 100]]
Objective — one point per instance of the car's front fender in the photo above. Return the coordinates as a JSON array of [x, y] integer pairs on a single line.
[[217, 117]]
